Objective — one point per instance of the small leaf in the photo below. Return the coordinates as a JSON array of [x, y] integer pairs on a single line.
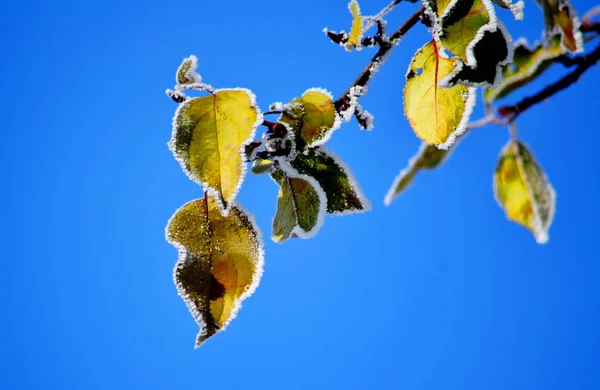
[[459, 28], [209, 135], [344, 195], [260, 167], [428, 157], [301, 205], [313, 117], [186, 74], [220, 262], [523, 190], [515, 8], [487, 53], [356, 32], [560, 17], [527, 65], [437, 115]]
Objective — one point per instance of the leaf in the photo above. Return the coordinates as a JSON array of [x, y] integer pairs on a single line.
[[523, 190], [186, 74], [209, 135], [220, 262], [312, 116], [428, 157], [460, 28], [301, 205], [437, 115], [487, 53], [356, 32], [560, 17], [260, 167], [343, 193], [515, 8], [527, 65]]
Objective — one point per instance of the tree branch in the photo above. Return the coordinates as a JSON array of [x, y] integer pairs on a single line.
[[385, 48], [583, 64]]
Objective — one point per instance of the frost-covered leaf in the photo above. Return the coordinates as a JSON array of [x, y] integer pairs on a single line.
[[260, 167], [523, 190], [437, 115], [186, 74], [515, 7], [344, 195], [460, 27], [209, 135], [312, 116], [428, 157], [527, 65], [301, 205], [356, 32], [220, 262], [487, 53], [560, 17]]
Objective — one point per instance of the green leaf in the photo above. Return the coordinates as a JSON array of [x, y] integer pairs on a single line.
[[220, 262], [186, 74], [460, 27], [527, 65], [560, 17], [209, 134], [523, 190], [356, 32], [343, 193], [301, 205], [437, 115], [428, 157], [312, 117], [260, 167]]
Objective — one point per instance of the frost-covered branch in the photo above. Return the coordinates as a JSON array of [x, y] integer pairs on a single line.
[[358, 87], [583, 64]]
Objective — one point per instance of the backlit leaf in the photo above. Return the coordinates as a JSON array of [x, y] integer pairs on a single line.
[[460, 27], [428, 157], [220, 262], [356, 32], [437, 115], [344, 195], [523, 190], [560, 17], [301, 206], [312, 117], [209, 134], [527, 65]]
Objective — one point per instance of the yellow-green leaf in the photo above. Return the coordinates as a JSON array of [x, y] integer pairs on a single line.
[[459, 28], [220, 262], [527, 65], [312, 117], [356, 32], [260, 167], [523, 190], [560, 17], [209, 134], [301, 206], [437, 115], [186, 74], [428, 157], [343, 193]]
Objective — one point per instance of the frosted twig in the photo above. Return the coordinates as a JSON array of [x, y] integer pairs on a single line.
[[373, 19], [591, 14]]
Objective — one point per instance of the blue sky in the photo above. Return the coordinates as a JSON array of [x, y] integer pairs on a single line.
[[437, 291]]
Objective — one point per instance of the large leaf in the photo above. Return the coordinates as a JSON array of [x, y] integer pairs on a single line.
[[220, 262], [209, 134], [527, 65], [301, 205], [312, 117], [437, 115], [428, 157], [344, 195], [356, 32], [560, 17], [523, 190]]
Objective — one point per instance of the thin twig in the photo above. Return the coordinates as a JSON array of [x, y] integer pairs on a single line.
[[385, 48], [589, 15], [382, 13], [585, 62]]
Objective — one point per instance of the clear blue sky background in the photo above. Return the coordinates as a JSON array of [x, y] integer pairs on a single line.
[[437, 291]]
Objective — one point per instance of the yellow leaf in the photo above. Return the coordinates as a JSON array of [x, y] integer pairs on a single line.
[[437, 115], [356, 32], [523, 190], [220, 262], [560, 17], [209, 134]]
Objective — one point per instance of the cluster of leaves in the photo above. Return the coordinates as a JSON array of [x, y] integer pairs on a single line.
[[220, 246]]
